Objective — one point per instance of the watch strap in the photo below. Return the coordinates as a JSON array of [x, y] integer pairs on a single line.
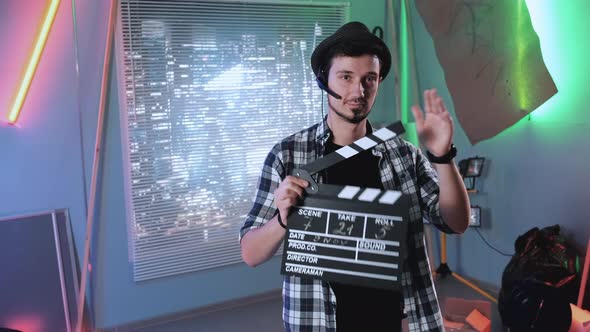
[[444, 159]]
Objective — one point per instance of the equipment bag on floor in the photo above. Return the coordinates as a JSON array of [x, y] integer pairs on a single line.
[[539, 282]]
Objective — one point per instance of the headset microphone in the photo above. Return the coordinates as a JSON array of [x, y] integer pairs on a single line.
[[324, 87]]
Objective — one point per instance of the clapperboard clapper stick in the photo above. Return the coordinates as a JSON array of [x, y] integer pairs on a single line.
[[348, 234]]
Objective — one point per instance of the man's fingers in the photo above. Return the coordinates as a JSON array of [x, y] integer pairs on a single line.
[[436, 102], [298, 181], [442, 105], [427, 101], [289, 192], [287, 202], [419, 117], [295, 191], [292, 186]]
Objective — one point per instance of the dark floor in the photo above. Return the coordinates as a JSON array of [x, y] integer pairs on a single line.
[[450, 287], [264, 315]]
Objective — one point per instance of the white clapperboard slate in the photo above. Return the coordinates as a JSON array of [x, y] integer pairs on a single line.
[[348, 234]]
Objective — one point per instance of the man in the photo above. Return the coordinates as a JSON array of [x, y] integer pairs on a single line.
[[350, 66]]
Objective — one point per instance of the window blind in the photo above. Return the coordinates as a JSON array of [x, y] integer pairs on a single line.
[[208, 87]]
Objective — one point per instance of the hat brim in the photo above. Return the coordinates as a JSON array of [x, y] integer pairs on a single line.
[[357, 38]]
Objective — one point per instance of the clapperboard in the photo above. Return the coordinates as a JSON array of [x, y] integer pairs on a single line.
[[348, 234]]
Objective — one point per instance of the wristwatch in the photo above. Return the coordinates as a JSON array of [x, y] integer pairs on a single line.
[[444, 159]]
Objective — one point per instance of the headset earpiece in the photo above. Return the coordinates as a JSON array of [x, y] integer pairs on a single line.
[[322, 81]]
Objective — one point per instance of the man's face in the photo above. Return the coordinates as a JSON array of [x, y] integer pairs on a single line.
[[356, 80]]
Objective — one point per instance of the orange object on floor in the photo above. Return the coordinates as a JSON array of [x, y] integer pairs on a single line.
[[460, 310], [580, 319], [478, 321]]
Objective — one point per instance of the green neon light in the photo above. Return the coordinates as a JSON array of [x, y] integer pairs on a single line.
[[520, 48], [550, 22], [564, 58], [405, 79], [404, 64]]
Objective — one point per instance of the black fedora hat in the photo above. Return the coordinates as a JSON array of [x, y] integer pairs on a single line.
[[357, 38]]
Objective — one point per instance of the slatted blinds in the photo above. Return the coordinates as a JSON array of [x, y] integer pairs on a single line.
[[209, 87]]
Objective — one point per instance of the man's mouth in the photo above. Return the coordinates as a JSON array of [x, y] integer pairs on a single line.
[[357, 104]]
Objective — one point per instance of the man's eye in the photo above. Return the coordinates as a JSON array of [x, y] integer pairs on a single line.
[[346, 77]]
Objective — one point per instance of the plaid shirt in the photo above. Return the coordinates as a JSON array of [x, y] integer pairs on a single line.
[[310, 304]]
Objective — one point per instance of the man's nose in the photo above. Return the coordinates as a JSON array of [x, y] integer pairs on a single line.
[[359, 89]]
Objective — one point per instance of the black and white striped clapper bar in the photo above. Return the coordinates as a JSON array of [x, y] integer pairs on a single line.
[[344, 233]]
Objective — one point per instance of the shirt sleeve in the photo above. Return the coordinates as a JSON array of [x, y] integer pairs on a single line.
[[430, 192], [264, 207]]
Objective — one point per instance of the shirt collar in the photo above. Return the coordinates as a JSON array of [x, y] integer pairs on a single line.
[[324, 133]]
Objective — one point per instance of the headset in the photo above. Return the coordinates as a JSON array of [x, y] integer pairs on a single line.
[[322, 81]]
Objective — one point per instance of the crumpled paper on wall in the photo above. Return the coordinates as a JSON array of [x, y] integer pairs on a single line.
[[492, 60]]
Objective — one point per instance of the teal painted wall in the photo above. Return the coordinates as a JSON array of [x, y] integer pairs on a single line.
[[536, 173]]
